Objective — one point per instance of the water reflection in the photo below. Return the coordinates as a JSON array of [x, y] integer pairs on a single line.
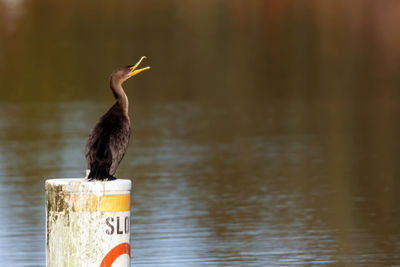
[[264, 135]]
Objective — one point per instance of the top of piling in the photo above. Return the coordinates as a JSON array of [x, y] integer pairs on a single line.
[[81, 184]]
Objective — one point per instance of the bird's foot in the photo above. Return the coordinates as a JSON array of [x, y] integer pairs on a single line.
[[92, 179], [111, 178]]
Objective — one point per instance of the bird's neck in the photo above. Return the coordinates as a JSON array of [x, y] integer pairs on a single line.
[[119, 94]]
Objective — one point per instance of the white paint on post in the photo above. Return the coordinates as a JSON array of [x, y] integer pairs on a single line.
[[88, 223]]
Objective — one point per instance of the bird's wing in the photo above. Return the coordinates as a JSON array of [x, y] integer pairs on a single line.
[[97, 144], [93, 137], [118, 145]]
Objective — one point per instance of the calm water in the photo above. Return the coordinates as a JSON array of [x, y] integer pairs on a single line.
[[265, 134]]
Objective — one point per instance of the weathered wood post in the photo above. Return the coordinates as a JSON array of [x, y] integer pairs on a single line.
[[88, 223]]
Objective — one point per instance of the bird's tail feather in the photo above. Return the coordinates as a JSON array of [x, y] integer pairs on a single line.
[[99, 172]]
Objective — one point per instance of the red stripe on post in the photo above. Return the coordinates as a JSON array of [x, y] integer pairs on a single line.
[[114, 253]]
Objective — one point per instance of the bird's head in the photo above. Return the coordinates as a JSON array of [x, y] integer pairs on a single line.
[[123, 74]]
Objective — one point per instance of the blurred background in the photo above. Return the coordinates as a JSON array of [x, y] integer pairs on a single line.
[[265, 134]]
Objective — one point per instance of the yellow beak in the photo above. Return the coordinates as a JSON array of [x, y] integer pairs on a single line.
[[135, 71]]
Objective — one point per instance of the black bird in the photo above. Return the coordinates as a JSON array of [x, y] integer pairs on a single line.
[[109, 138]]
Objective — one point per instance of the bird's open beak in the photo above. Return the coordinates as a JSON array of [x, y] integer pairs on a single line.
[[135, 71]]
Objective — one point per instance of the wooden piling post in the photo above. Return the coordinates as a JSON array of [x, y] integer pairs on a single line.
[[88, 223]]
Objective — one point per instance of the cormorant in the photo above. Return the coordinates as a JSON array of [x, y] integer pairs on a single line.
[[109, 138]]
